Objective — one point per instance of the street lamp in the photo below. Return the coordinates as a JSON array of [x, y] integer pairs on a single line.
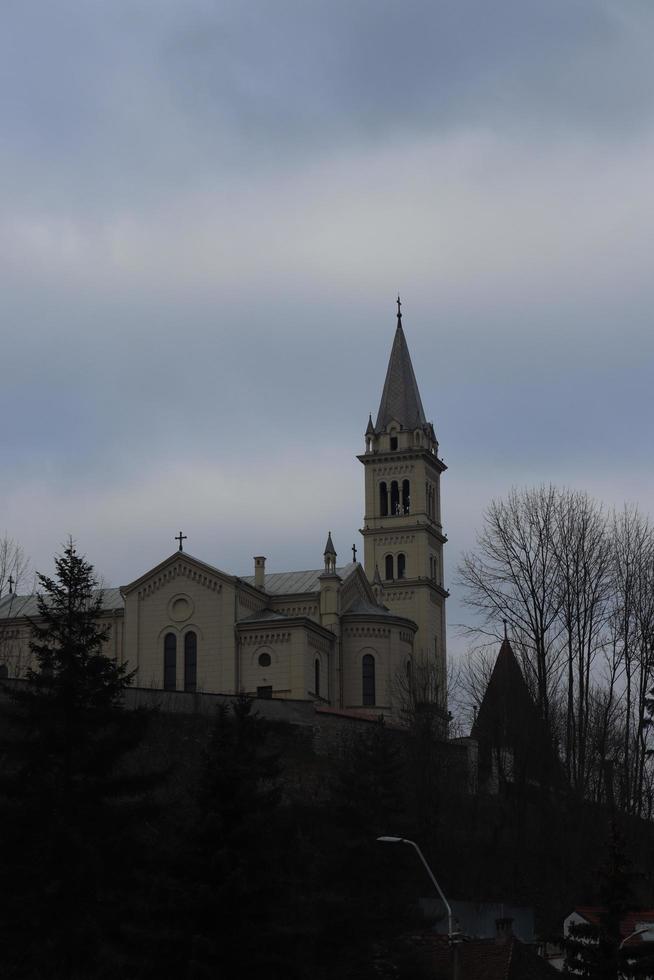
[[637, 932], [412, 843]]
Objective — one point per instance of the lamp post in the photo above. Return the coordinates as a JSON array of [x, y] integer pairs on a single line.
[[637, 932], [412, 843]]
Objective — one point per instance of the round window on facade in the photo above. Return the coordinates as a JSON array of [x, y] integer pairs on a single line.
[[264, 660]]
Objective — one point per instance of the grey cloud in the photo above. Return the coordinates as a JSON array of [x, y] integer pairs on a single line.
[[126, 101]]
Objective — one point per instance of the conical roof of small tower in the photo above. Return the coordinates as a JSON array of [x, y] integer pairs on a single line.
[[508, 718], [329, 547], [400, 398]]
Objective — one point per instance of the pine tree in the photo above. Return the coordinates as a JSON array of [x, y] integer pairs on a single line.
[[225, 892], [355, 901], [593, 951], [69, 802]]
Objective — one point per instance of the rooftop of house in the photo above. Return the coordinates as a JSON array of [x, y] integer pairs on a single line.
[[485, 959], [629, 924]]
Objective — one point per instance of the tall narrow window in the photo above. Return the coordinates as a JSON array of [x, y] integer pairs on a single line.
[[170, 662], [395, 498], [388, 571], [383, 500], [368, 679], [406, 496], [401, 565], [190, 662], [316, 680], [393, 443]]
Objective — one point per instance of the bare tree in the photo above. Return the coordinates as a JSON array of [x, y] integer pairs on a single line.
[[14, 566], [470, 679], [513, 575], [633, 633], [578, 591], [584, 583]]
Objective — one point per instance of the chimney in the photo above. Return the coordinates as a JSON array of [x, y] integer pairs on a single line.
[[504, 933], [260, 572]]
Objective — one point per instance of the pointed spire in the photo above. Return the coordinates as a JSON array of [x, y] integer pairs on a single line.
[[329, 555], [376, 579], [400, 398], [370, 431]]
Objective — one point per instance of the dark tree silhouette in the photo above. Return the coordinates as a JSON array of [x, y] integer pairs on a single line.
[[70, 803]]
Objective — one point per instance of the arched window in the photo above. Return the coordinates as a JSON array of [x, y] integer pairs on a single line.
[[401, 565], [170, 662], [393, 443], [368, 679], [383, 500], [316, 680], [406, 496], [395, 498], [190, 662], [388, 570]]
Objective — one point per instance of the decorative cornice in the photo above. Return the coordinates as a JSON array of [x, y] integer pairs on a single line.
[[305, 611], [396, 539], [374, 526], [395, 469], [417, 453], [266, 638], [180, 569], [367, 630]]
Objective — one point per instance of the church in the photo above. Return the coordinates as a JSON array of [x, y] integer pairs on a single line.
[[345, 636]]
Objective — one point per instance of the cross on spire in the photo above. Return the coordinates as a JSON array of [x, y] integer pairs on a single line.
[[505, 629], [399, 307], [354, 552], [181, 537], [11, 584]]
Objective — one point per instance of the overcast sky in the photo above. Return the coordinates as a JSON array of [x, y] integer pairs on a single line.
[[207, 209]]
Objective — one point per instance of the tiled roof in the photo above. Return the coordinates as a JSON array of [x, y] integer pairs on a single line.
[[363, 607], [26, 605], [263, 616], [486, 959], [293, 583], [360, 714], [400, 398], [628, 924]]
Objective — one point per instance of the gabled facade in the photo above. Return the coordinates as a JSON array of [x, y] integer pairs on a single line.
[[347, 636], [186, 625]]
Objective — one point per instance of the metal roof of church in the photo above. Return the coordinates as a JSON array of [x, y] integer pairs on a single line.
[[400, 398], [13, 606], [293, 583]]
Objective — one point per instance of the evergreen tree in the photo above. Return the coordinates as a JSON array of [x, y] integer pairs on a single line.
[[593, 951], [69, 802], [360, 899], [227, 890]]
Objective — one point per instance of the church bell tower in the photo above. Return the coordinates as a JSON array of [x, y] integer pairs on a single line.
[[402, 528]]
